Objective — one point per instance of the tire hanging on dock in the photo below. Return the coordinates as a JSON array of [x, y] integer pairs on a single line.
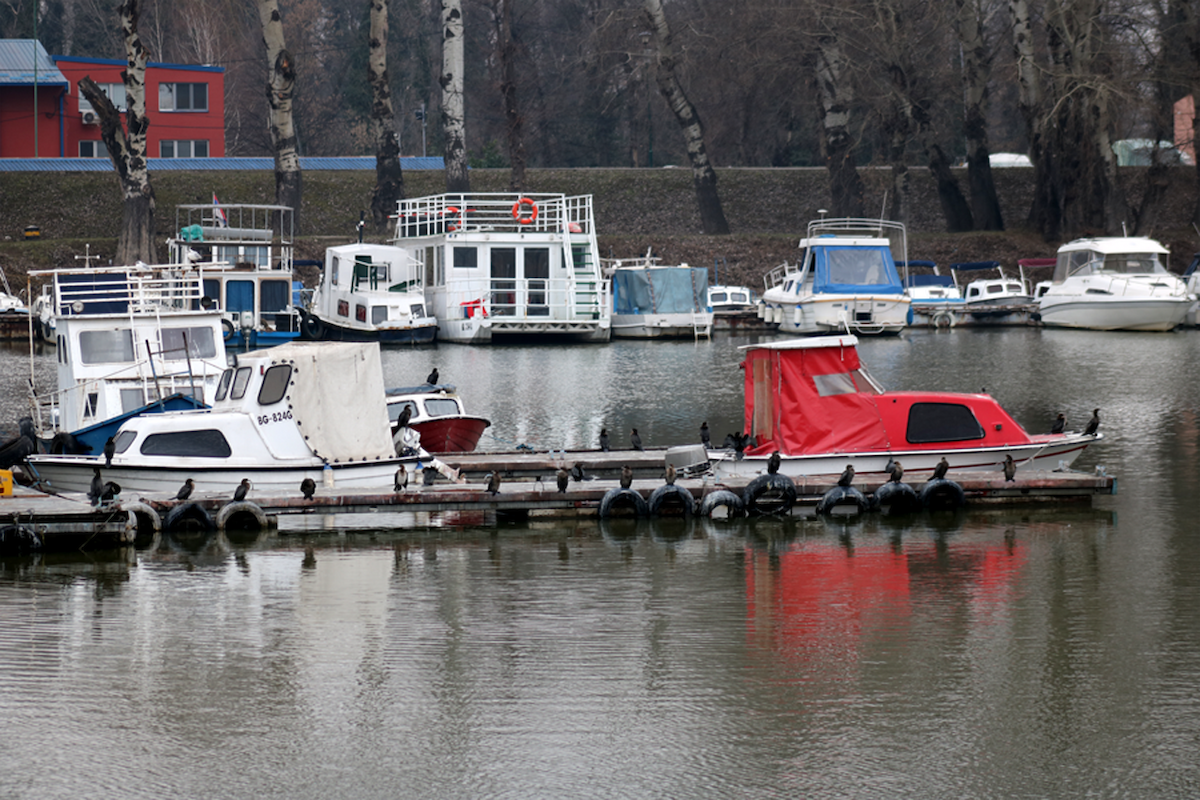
[[16, 539], [942, 494], [843, 496], [669, 493], [189, 517], [769, 494], [894, 498], [722, 498], [623, 497]]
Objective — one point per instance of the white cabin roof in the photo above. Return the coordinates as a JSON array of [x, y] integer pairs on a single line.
[[1115, 244]]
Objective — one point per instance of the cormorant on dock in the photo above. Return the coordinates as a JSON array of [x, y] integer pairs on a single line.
[[847, 476], [577, 472], [1010, 468], [705, 439], [110, 450], [432, 379], [239, 494], [97, 487], [308, 487], [670, 475], [896, 473], [564, 478], [626, 476], [401, 482], [493, 482], [604, 439], [185, 491], [773, 463], [1093, 423], [1060, 424], [636, 440], [939, 472]]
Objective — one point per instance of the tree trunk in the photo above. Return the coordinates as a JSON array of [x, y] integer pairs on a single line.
[[281, 84], [389, 179], [458, 180], [833, 86], [506, 52], [128, 150], [1045, 212], [954, 205], [976, 69], [704, 178]]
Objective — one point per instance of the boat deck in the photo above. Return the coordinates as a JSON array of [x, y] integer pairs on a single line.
[[527, 489]]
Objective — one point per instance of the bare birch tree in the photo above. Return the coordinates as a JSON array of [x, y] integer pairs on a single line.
[[389, 179], [458, 180], [127, 149], [704, 178], [281, 84]]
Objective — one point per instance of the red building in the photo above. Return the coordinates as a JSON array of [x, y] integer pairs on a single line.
[[185, 105]]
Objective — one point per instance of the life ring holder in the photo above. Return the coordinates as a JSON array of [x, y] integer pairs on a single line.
[[519, 211], [453, 211]]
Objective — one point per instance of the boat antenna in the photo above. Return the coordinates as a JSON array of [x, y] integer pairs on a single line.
[[1123, 231]]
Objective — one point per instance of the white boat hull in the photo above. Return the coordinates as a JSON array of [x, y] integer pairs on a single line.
[[74, 474], [1057, 453], [483, 330], [1116, 314], [661, 326], [864, 315]]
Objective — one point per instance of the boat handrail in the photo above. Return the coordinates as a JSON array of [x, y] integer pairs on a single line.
[[549, 299], [506, 212]]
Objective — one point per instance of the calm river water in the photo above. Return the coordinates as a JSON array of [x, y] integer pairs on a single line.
[[1031, 652]]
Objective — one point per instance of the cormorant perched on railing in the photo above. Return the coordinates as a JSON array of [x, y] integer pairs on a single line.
[[110, 450]]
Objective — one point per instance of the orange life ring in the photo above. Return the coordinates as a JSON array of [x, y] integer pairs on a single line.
[[518, 211], [452, 211]]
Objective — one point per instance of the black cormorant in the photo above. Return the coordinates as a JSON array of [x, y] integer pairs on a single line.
[[239, 494], [308, 487], [577, 471], [433, 377], [185, 491], [493, 482], [1010, 468], [635, 440], [110, 449], [705, 439], [564, 478], [626, 476], [604, 439], [1093, 423], [939, 472], [773, 463], [1060, 424], [847, 476], [896, 472], [401, 482]]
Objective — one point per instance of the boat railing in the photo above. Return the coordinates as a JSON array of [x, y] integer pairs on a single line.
[[141, 289], [495, 212], [533, 299], [226, 236], [776, 277]]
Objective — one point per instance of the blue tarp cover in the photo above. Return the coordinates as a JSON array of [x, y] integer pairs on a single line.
[[660, 290], [856, 268]]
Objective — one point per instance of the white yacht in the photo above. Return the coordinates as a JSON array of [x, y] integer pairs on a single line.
[[369, 292], [846, 282], [1114, 283], [505, 267]]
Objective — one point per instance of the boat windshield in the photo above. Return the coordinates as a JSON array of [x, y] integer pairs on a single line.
[[856, 380], [1090, 262]]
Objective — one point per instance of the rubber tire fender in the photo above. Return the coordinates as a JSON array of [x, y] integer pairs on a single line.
[[842, 495], [763, 484], [227, 329], [623, 496], [669, 490], [311, 327], [240, 510], [19, 539], [184, 513], [722, 497], [943, 495], [900, 498]]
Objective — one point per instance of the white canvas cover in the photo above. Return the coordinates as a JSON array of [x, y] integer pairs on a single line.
[[337, 396]]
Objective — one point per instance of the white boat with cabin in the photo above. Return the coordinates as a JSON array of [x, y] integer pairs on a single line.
[[936, 299], [131, 340], [656, 301], [247, 254], [502, 267], [846, 282], [1114, 283], [369, 292], [298, 410], [997, 299]]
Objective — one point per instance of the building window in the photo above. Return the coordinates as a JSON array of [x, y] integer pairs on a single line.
[[93, 150], [183, 97], [115, 93], [183, 148]]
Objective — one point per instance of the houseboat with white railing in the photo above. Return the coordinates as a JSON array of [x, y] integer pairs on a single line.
[[131, 340], [246, 252], [504, 267]]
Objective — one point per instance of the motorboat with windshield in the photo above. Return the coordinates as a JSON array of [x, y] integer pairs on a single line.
[[936, 299], [1114, 283], [503, 267], [656, 301], [846, 280], [996, 298], [370, 292], [436, 413], [131, 340], [298, 410], [814, 401]]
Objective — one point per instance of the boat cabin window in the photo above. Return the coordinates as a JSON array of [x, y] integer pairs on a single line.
[[122, 441], [200, 343], [394, 410], [274, 384], [942, 422], [241, 379], [441, 407], [856, 266], [466, 258], [132, 400], [717, 297], [194, 444], [856, 380], [378, 314], [274, 295], [223, 386], [105, 347]]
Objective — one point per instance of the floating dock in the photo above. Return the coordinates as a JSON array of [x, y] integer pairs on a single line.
[[528, 489]]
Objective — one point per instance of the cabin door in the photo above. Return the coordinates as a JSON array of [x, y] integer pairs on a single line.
[[537, 281], [239, 296], [504, 281]]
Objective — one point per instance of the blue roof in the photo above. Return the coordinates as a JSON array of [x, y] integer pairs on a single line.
[[252, 163], [116, 62], [17, 61]]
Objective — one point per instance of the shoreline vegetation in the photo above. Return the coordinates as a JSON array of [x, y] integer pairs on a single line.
[[635, 209]]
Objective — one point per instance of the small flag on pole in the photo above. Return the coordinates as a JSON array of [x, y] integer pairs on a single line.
[[219, 213]]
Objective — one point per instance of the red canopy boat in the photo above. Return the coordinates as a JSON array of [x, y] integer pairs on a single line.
[[437, 415], [813, 401]]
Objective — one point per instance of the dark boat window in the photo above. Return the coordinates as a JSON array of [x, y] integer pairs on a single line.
[[441, 407], [122, 440], [240, 379], [394, 409], [466, 258], [274, 384], [942, 422], [196, 444], [223, 386], [274, 295]]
